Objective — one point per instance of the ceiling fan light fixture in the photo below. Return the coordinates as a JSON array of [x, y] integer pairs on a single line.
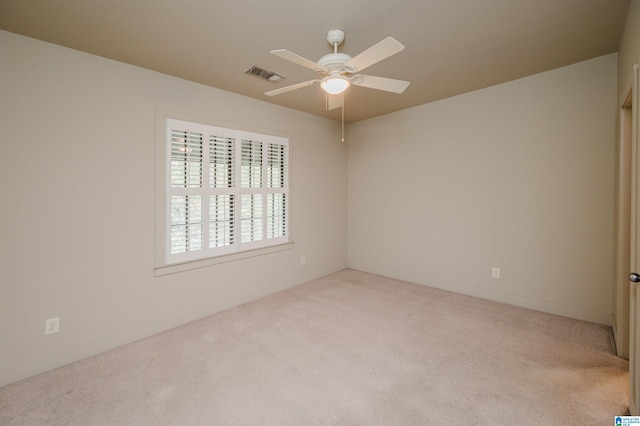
[[335, 84]]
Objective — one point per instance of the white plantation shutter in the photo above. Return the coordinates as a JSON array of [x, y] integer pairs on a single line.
[[276, 166], [251, 177], [222, 177], [226, 191], [186, 208], [186, 159], [276, 215], [277, 182], [251, 174], [221, 162], [221, 220], [252, 218], [186, 223]]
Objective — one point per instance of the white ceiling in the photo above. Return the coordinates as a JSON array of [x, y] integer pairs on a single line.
[[452, 46]]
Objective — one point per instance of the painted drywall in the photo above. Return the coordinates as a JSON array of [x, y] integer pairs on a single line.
[[629, 51], [77, 217], [518, 176]]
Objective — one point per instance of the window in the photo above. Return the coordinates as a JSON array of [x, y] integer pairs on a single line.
[[226, 191]]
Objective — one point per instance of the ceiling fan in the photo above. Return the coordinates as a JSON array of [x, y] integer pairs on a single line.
[[339, 70]]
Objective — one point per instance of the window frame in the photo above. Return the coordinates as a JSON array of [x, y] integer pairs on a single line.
[[166, 262]]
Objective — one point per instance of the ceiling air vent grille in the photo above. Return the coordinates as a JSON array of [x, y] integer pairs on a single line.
[[264, 74]]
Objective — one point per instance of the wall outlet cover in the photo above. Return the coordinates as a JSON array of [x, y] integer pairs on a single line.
[[51, 326], [495, 273]]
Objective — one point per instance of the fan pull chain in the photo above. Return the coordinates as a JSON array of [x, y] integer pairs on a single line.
[[342, 116], [335, 50]]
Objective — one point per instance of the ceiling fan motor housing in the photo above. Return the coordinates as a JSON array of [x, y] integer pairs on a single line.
[[335, 62]]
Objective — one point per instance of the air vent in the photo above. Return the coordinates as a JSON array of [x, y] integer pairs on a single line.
[[264, 74]]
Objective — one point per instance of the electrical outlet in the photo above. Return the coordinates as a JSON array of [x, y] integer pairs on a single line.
[[51, 326], [495, 273], [303, 260]]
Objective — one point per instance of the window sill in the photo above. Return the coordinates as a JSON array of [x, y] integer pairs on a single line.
[[203, 263]]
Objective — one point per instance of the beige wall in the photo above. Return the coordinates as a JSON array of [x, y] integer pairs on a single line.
[[519, 176], [77, 232]]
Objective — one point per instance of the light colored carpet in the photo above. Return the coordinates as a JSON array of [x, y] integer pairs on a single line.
[[347, 349]]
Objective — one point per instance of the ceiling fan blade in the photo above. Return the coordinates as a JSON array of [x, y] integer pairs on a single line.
[[290, 88], [380, 83], [297, 59], [334, 101], [387, 47]]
